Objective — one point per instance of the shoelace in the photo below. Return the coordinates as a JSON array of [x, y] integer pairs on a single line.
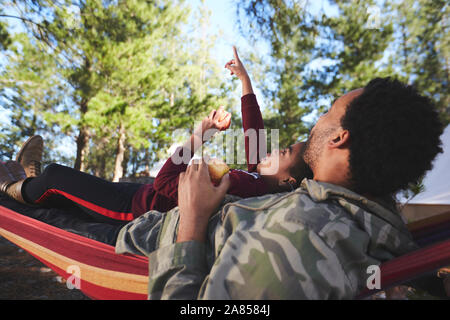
[[35, 168], [5, 185]]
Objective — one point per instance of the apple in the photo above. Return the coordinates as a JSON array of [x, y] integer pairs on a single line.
[[217, 169], [225, 117]]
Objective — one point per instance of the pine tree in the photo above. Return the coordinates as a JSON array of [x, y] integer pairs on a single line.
[[409, 41], [423, 48], [128, 75], [287, 26], [29, 89]]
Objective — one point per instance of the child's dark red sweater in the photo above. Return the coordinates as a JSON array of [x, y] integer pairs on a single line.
[[162, 195]]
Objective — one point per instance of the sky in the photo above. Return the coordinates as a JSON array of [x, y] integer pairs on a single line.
[[223, 18], [223, 21]]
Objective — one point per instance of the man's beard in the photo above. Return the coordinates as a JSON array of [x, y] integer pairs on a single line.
[[315, 145]]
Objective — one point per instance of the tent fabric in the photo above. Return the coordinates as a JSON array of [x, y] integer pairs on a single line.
[[435, 199], [105, 275], [437, 180], [431, 230]]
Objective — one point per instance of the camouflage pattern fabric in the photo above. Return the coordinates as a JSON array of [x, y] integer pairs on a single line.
[[315, 242]]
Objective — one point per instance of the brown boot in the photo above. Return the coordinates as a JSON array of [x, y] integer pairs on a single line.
[[5, 175], [30, 156], [15, 170], [14, 190], [9, 186]]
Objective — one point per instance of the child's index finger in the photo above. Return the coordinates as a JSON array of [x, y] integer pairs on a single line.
[[235, 53]]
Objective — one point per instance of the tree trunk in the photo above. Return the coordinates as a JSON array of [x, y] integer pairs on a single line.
[[99, 170], [118, 169], [126, 160], [82, 141], [82, 149], [146, 161]]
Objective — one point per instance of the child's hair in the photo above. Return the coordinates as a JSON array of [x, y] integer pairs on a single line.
[[300, 171]]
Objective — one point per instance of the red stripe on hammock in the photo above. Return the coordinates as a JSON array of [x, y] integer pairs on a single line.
[[101, 293], [94, 291], [123, 216], [415, 263], [76, 247]]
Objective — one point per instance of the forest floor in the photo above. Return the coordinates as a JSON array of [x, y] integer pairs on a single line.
[[23, 277]]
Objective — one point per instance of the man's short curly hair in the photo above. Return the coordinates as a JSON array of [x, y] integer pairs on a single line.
[[394, 137]]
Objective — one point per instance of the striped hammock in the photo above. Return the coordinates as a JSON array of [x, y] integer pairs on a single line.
[[102, 274]]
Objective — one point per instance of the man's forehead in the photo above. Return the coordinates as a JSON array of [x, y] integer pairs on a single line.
[[344, 100]]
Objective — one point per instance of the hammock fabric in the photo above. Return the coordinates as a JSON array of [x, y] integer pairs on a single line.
[[103, 274], [106, 275]]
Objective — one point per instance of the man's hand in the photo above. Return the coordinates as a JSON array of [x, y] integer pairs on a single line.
[[198, 198]]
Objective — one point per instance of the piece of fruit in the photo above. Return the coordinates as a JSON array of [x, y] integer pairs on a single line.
[[223, 115], [217, 169], [227, 124]]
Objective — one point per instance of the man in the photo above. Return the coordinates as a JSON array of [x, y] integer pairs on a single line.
[[316, 242]]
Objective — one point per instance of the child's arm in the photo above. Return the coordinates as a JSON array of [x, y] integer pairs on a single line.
[[251, 114], [166, 182]]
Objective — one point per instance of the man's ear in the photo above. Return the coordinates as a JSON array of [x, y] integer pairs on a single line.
[[339, 139]]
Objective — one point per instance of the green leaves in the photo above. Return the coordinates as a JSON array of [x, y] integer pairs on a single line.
[[318, 54], [110, 73]]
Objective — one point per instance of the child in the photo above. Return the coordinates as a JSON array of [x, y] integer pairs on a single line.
[[117, 202]]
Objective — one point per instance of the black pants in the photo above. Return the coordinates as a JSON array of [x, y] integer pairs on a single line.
[[103, 200]]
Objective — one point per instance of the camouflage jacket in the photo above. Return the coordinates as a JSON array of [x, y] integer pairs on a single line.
[[313, 243]]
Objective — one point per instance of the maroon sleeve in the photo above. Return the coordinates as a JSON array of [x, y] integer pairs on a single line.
[[246, 184], [166, 182], [252, 119]]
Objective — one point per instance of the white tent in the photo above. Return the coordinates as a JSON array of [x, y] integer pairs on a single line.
[[436, 197]]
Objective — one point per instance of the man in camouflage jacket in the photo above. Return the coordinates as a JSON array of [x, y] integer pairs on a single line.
[[315, 242]]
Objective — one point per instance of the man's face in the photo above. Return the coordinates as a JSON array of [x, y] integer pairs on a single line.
[[324, 128]]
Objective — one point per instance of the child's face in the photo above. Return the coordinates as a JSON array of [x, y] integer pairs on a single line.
[[280, 162]]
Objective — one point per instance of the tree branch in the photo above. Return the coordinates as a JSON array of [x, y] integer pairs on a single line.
[[23, 19]]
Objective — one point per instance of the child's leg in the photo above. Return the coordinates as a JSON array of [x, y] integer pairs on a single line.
[[104, 200]]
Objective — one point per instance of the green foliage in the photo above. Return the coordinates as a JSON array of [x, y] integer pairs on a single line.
[[423, 48], [297, 40], [5, 40], [408, 40], [98, 66], [89, 68], [288, 29], [350, 50]]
